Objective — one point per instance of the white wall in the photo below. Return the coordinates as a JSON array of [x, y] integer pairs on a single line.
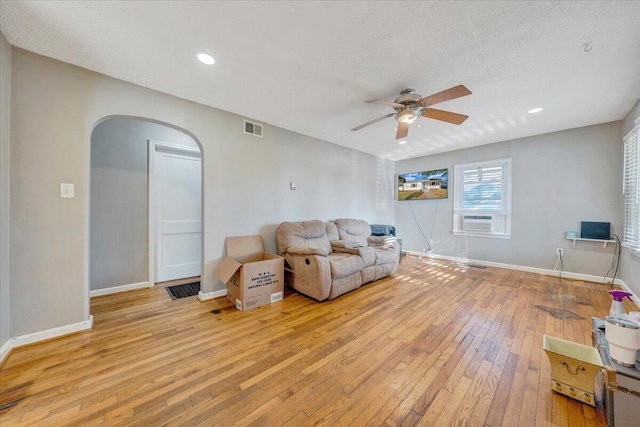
[[5, 106], [246, 181], [559, 179], [629, 262], [119, 219]]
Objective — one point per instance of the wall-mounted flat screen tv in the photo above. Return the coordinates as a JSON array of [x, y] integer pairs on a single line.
[[432, 184]]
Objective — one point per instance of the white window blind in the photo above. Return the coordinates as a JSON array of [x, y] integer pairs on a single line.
[[482, 188], [631, 190], [482, 195]]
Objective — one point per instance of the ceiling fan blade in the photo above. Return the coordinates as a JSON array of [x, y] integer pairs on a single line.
[[445, 116], [445, 95], [387, 103], [403, 130], [373, 121]]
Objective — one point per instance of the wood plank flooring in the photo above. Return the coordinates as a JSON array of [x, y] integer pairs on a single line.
[[436, 344]]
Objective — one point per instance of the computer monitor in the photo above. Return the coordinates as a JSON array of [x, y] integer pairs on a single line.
[[595, 230]]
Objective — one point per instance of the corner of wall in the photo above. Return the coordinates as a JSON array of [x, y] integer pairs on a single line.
[[629, 262], [5, 109]]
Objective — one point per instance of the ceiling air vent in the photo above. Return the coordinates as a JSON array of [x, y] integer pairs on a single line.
[[252, 128]]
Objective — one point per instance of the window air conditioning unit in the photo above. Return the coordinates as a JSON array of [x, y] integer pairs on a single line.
[[477, 223]]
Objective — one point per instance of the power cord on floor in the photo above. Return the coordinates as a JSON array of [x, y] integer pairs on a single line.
[[562, 294], [561, 267]]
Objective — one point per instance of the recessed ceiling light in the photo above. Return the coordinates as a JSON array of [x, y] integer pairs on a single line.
[[535, 110], [206, 59], [402, 142]]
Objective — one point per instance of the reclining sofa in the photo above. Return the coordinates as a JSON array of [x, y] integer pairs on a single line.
[[324, 260]]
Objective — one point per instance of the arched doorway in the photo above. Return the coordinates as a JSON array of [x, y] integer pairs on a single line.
[[122, 231]]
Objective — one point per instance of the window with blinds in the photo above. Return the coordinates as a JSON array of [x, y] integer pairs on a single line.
[[482, 198], [631, 190]]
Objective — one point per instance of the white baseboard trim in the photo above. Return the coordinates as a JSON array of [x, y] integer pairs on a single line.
[[211, 295], [43, 335], [117, 289], [545, 271], [5, 349]]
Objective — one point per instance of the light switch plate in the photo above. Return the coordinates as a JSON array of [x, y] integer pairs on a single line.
[[66, 191]]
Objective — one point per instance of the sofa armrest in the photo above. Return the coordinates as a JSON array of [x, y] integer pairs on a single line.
[[345, 244], [367, 253], [354, 251], [389, 242], [307, 251], [310, 274]]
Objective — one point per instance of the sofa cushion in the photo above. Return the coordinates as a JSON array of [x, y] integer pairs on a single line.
[[332, 231], [344, 264], [303, 234], [353, 230]]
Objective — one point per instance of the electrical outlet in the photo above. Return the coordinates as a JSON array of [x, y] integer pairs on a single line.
[[424, 250], [431, 241], [559, 251]]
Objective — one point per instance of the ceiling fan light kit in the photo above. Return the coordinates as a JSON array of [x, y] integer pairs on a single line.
[[408, 116], [410, 106]]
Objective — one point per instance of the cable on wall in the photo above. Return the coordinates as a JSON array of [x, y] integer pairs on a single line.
[[433, 223], [615, 263], [419, 228]]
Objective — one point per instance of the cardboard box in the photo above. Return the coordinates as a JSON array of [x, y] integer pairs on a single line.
[[254, 277]]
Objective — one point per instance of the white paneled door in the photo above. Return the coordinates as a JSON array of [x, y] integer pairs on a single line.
[[177, 188]]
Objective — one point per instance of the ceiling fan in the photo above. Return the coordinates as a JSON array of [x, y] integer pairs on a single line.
[[409, 106]]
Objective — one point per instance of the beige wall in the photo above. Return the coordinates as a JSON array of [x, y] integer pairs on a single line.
[[246, 181]]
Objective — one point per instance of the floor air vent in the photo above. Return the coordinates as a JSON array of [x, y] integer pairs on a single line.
[[252, 128]]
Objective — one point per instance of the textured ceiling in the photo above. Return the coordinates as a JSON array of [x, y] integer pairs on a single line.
[[308, 66]]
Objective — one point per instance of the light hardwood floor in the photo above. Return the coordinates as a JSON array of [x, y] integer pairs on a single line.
[[436, 344]]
